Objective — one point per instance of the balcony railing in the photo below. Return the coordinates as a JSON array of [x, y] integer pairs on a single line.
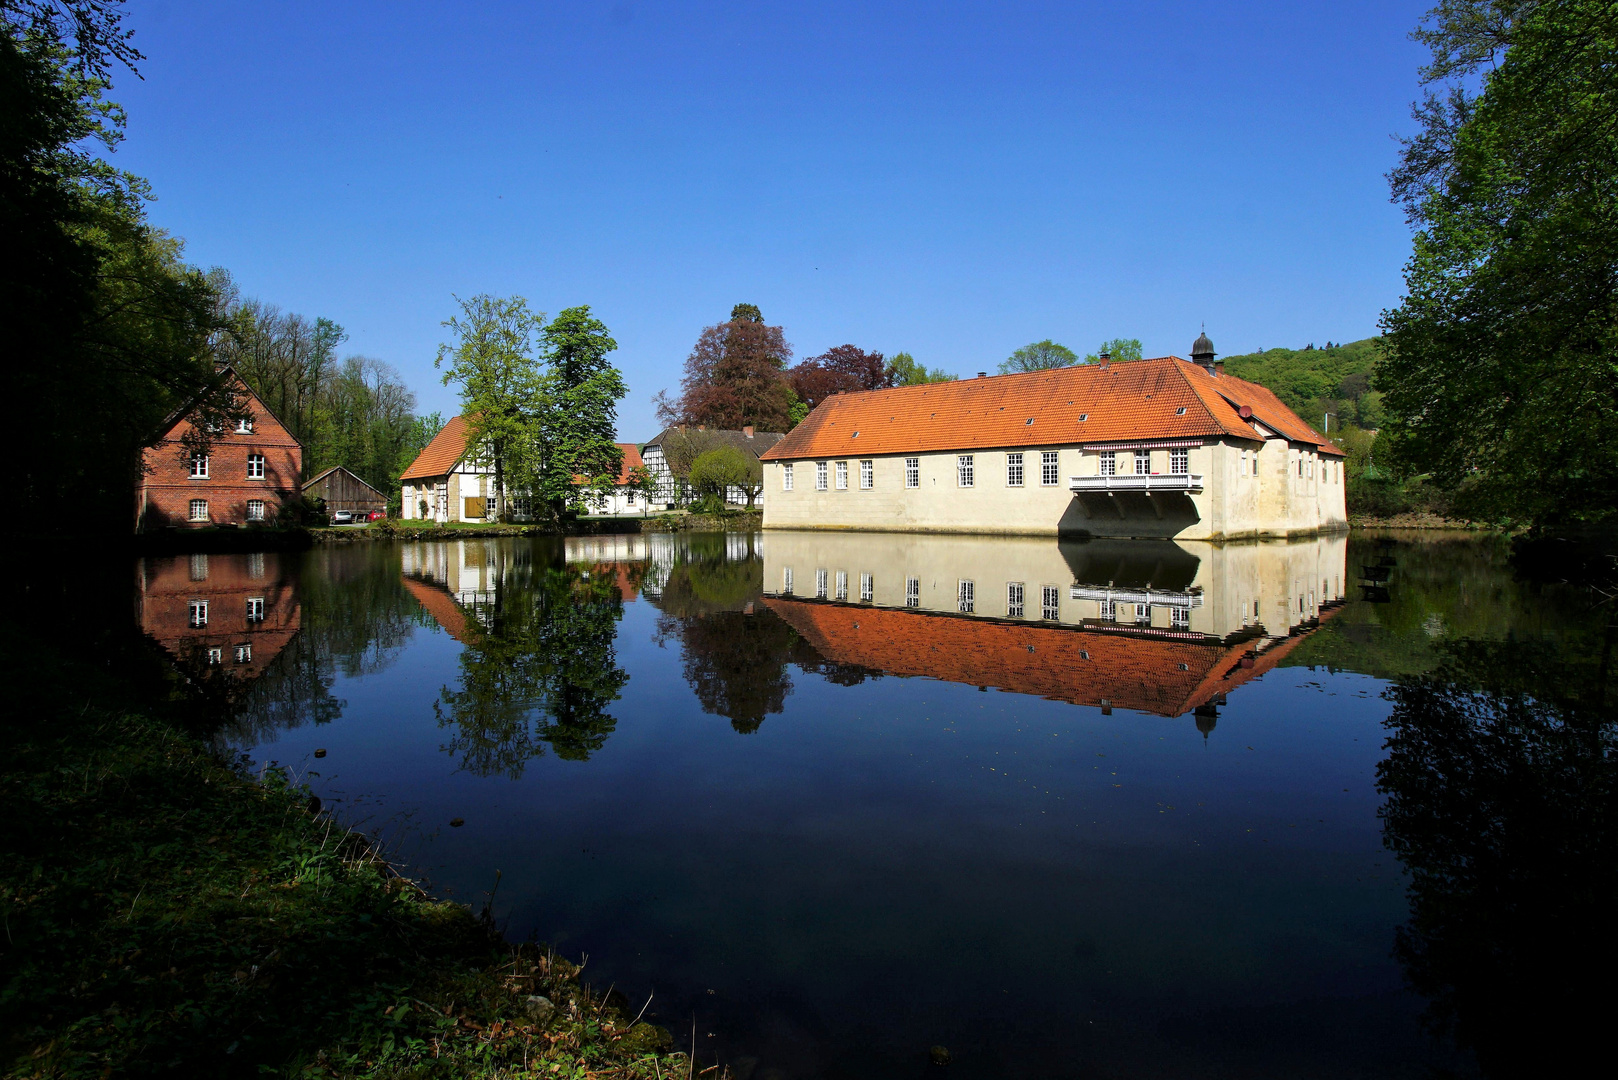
[[1142, 597], [1189, 483]]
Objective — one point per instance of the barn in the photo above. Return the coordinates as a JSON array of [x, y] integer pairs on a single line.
[[342, 490]]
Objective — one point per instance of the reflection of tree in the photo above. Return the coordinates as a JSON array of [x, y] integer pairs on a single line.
[[538, 667], [1501, 782], [736, 663], [708, 575]]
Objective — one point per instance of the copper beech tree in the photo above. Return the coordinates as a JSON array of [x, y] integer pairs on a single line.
[[735, 376]]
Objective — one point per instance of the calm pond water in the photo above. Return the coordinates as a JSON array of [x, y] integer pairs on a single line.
[[1067, 809]]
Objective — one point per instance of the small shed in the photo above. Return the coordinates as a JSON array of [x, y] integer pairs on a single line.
[[342, 490]]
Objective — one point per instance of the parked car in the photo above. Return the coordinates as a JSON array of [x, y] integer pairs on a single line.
[[342, 517], [376, 515]]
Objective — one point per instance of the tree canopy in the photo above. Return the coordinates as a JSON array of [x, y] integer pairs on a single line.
[[1039, 356], [579, 416], [716, 471], [841, 369], [904, 371], [735, 376], [1500, 375], [1119, 349]]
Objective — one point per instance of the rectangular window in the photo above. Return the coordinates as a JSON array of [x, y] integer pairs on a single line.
[[255, 565], [966, 597], [842, 584], [867, 589], [197, 614], [199, 509], [1109, 463], [216, 656], [820, 476], [786, 477], [244, 654], [912, 472], [842, 476], [1311, 466], [1109, 610], [1179, 462], [963, 470], [867, 474], [1180, 618], [1050, 603], [199, 566], [1143, 615], [1143, 462], [820, 584], [199, 466], [1255, 462], [1014, 600], [255, 609], [629, 497], [1014, 470], [912, 592], [255, 509], [1047, 468], [786, 581], [244, 426]]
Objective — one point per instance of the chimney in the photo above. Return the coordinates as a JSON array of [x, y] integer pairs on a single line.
[[1105, 357], [747, 430], [983, 374], [1219, 367]]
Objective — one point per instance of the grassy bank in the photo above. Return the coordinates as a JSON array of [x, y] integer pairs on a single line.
[[164, 914]]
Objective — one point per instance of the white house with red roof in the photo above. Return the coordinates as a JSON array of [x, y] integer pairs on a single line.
[[1164, 447]]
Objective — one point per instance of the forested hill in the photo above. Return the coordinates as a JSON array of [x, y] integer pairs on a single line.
[[1313, 381]]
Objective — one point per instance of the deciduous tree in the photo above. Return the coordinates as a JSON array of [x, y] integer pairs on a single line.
[[581, 391], [1119, 349], [1039, 356], [716, 471], [735, 376], [904, 371]]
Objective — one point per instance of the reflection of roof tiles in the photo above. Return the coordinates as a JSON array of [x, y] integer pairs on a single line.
[[1163, 398], [1162, 675], [440, 455], [441, 606]]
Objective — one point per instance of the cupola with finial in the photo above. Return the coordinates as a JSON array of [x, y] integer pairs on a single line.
[[1202, 353]]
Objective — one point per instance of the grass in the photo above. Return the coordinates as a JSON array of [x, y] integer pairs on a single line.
[[163, 913]]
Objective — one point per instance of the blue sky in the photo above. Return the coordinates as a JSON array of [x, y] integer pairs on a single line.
[[954, 180]]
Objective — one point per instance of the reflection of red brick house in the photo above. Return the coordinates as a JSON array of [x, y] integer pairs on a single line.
[[218, 615], [250, 471], [1169, 674]]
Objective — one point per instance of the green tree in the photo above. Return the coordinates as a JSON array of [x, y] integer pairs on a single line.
[[1040, 356], [1500, 377], [643, 484], [581, 391], [1119, 349], [906, 372], [502, 391], [716, 471]]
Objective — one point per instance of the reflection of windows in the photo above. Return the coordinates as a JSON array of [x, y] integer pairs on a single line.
[[197, 614], [966, 597], [963, 470], [1050, 602], [912, 472], [912, 592], [199, 567], [1014, 470], [255, 466], [786, 477], [842, 584], [199, 509], [1014, 596], [1180, 618], [820, 584], [867, 588], [1109, 610], [255, 565], [842, 476], [867, 474], [216, 656], [255, 609], [1179, 462], [786, 580], [244, 654], [1143, 462], [820, 476], [1143, 615], [199, 467], [1047, 468], [1109, 463], [255, 509]]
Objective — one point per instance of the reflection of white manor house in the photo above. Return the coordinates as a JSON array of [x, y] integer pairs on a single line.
[[1149, 448]]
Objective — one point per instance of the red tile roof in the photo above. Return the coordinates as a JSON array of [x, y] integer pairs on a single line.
[[632, 460], [1163, 398], [1165, 674], [441, 606], [440, 455]]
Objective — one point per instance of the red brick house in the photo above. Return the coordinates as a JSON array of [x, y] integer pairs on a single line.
[[252, 469]]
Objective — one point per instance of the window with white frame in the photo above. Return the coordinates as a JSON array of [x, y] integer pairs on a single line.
[[966, 597], [842, 585], [199, 466], [786, 477], [867, 474], [1143, 462], [820, 476], [1108, 610], [820, 584], [1109, 463], [197, 614], [1050, 605], [255, 609], [1014, 599], [244, 426], [1255, 462], [786, 581], [1047, 468], [216, 656], [963, 470], [867, 589], [842, 476], [255, 466], [244, 654], [1180, 618], [1014, 470], [912, 592], [1310, 467], [912, 472], [199, 509], [1179, 462], [255, 509]]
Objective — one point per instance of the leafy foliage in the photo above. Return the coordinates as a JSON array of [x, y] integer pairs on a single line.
[[716, 471], [1119, 349], [1039, 356], [904, 371], [1311, 381], [575, 427], [735, 376], [843, 369]]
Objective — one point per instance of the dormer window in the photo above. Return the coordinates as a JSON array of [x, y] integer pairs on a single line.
[[1083, 416], [1180, 411], [244, 426]]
